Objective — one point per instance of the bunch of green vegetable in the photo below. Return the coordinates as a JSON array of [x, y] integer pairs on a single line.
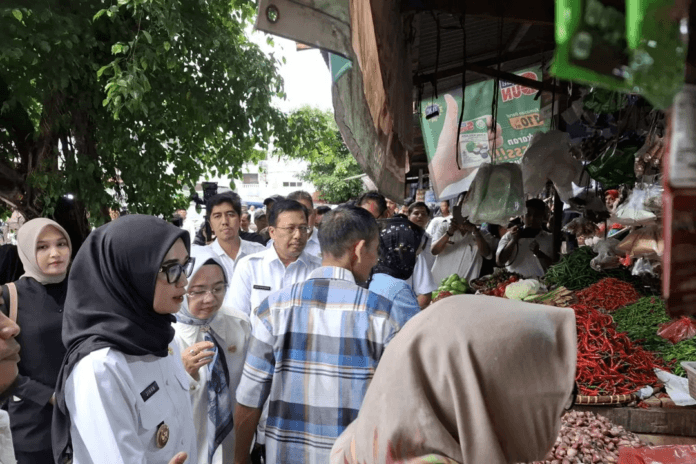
[[641, 322], [573, 272], [452, 285]]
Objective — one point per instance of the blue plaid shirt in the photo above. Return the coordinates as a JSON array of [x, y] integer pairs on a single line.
[[314, 349]]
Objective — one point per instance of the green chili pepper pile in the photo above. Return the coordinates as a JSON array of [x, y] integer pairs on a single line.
[[641, 320], [573, 272]]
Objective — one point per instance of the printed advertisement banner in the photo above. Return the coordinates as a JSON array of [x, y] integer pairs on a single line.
[[517, 120]]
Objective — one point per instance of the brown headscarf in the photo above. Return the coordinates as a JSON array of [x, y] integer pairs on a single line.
[[472, 380], [27, 236]]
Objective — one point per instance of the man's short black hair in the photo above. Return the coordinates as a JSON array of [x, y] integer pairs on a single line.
[[272, 199], [342, 227], [299, 195], [377, 197], [418, 204], [323, 209], [283, 206], [227, 197], [536, 204]]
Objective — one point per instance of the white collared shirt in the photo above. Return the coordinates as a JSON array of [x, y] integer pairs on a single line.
[[421, 281], [117, 403], [233, 333], [246, 248], [7, 455], [260, 274]]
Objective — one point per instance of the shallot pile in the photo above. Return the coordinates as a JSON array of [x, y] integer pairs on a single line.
[[586, 438]]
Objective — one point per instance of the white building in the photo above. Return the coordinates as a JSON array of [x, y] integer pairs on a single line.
[[267, 178]]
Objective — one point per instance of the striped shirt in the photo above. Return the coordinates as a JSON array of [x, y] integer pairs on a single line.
[[313, 351]]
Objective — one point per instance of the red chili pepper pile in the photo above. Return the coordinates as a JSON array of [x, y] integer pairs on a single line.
[[608, 362], [609, 294]]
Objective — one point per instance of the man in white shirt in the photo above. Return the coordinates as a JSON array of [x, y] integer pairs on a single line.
[[445, 214], [305, 199], [188, 224], [422, 279], [460, 249], [285, 263], [224, 215], [527, 250]]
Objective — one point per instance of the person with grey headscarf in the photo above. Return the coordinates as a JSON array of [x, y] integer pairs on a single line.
[[213, 347]]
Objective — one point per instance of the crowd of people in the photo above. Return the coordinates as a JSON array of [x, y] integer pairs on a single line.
[[306, 341]]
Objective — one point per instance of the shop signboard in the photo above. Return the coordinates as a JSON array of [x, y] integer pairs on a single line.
[[518, 119]]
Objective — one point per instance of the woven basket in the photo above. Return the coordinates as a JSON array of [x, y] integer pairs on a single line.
[[606, 400]]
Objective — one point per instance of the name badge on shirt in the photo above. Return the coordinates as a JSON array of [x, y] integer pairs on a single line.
[[262, 287], [149, 391]]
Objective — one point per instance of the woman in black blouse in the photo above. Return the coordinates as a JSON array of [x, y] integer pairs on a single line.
[[44, 249]]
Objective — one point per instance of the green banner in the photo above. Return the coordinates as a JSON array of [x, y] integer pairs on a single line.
[[518, 119]]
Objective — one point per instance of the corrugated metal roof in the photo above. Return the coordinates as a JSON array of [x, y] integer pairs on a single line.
[[483, 40]]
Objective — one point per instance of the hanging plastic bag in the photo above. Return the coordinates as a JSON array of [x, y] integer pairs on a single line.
[[633, 211], [614, 166], [608, 255], [496, 195], [653, 199], [549, 158], [678, 330], [644, 266], [581, 226], [646, 241]]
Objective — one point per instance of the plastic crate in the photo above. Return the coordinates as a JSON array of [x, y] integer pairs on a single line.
[[690, 368]]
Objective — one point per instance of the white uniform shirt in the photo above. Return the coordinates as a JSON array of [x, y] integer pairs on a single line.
[[7, 455], [117, 403], [523, 260], [422, 281], [461, 257], [260, 274], [427, 252], [234, 330], [246, 248], [312, 248]]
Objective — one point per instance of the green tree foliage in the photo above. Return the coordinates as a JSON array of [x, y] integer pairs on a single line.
[[312, 135], [154, 92]]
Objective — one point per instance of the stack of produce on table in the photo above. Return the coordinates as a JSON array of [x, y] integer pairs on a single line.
[[523, 289], [609, 363], [609, 294], [452, 285], [588, 439], [495, 284], [560, 297], [574, 272], [641, 322]]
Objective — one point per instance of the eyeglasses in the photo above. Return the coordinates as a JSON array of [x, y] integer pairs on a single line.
[[173, 271], [304, 230], [217, 293]]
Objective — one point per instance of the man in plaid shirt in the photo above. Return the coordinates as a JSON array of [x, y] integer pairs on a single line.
[[315, 347]]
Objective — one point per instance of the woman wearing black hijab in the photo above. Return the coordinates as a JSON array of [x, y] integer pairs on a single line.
[[122, 394], [400, 243]]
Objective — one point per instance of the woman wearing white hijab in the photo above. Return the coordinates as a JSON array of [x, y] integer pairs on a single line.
[[213, 344], [470, 380], [44, 248]]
